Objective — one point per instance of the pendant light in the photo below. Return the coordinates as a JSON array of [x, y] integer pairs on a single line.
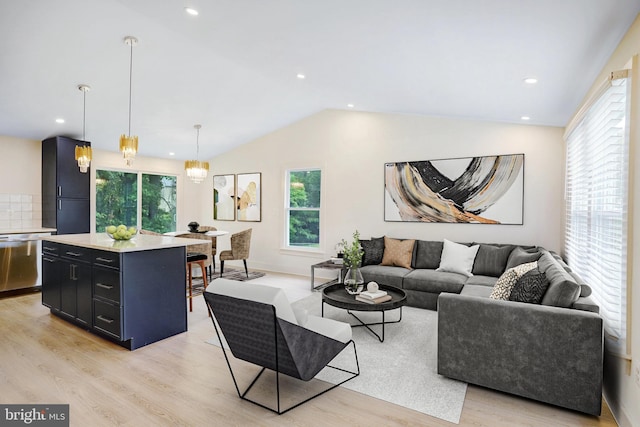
[[84, 153], [197, 170], [129, 144]]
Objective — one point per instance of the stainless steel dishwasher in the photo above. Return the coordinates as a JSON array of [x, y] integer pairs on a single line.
[[19, 261]]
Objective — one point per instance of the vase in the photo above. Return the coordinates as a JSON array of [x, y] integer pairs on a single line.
[[353, 281]]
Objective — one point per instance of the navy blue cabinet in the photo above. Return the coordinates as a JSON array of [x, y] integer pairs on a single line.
[[65, 190]]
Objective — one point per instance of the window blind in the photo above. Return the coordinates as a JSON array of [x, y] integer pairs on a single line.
[[596, 193]]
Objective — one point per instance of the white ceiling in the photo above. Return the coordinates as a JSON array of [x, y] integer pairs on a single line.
[[233, 68]]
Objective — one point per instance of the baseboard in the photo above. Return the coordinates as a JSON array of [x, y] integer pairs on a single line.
[[621, 417]]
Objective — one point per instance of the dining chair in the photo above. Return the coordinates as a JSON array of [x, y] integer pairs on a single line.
[[240, 245], [214, 244]]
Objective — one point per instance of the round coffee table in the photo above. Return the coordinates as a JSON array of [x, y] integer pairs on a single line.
[[337, 296]]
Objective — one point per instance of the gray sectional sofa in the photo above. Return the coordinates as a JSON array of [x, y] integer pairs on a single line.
[[551, 352]]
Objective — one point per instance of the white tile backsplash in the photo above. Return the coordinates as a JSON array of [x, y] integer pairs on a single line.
[[20, 211]]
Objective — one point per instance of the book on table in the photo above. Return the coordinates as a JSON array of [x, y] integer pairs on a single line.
[[378, 300], [373, 295]]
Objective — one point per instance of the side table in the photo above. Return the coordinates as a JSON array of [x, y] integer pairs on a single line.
[[327, 265]]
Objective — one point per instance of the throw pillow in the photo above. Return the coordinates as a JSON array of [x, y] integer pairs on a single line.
[[530, 287], [457, 258], [491, 260], [373, 250], [397, 252], [505, 283], [521, 256]]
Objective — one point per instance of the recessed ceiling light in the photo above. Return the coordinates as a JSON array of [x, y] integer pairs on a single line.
[[525, 118], [531, 80], [301, 76], [350, 105], [59, 120], [191, 11], [172, 153]]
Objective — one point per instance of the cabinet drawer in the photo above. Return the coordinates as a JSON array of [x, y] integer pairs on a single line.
[[76, 253], [50, 248], [107, 259], [106, 284], [107, 317]]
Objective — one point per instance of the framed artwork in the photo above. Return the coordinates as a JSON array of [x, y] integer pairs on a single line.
[[224, 197], [249, 196], [476, 190]]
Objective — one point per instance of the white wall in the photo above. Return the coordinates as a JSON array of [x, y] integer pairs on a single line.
[[622, 378], [21, 170], [352, 148]]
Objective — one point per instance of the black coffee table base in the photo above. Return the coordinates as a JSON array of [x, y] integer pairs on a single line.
[[384, 322]]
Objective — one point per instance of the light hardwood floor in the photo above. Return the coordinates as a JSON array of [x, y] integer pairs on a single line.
[[182, 381]]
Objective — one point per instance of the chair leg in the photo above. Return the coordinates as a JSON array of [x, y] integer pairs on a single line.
[[190, 286], [204, 274], [245, 268], [221, 267]]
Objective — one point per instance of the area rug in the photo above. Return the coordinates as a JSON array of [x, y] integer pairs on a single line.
[[402, 369], [229, 273]]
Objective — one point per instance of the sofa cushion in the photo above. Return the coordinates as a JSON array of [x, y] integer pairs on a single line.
[[373, 250], [505, 283], [491, 260], [530, 287], [479, 280], [384, 275], [397, 253], [428, 254], [563, 290], [476, 291], [434, 281], [457, 258], [520, 255]]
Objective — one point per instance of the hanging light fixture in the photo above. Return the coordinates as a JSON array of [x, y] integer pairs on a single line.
[[197, 170], [83, 152], [129, 144]]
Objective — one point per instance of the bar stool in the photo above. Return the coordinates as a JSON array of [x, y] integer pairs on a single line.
[[199, 259]]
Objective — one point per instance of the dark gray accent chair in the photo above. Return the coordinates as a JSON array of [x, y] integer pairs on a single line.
[[261, 328]]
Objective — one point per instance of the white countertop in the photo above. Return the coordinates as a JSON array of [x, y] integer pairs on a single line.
[[141, 242], [28, 230]]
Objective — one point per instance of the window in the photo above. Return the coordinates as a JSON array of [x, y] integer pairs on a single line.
[[303, 198], [117, 195], [597, 175]]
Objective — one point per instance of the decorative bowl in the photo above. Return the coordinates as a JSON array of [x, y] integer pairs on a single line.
[[128, 234]]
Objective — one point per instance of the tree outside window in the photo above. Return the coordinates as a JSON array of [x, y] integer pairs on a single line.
[[117, 196], [303, 208]]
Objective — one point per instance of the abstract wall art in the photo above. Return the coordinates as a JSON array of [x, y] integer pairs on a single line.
[[249, 196], [224, 197], [480, 190]]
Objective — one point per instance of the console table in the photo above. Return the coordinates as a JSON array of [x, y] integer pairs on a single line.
[[131, 292]]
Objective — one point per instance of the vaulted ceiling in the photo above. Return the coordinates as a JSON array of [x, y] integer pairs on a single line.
[[233, 68]]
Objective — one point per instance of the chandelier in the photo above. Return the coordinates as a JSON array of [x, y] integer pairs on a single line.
[[83, 152], [129, 144], [197, 170]]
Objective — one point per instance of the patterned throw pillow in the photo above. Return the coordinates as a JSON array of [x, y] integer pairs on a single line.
[[397, 252], [503, 287], [373, 250], [530, 287]]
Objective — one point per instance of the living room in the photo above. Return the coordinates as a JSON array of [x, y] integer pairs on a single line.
[[351, 147]]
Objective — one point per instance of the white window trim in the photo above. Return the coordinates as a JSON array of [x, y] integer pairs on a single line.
[[299, 250]]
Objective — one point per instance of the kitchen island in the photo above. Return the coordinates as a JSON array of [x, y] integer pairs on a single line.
[[130, 292]]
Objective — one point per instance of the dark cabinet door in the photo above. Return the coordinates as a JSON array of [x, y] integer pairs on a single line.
[[71, 183], [68, 289], [51, 282], [84, 295], [73, 216]]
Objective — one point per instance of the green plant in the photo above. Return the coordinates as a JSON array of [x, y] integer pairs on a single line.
[[352, 251]]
